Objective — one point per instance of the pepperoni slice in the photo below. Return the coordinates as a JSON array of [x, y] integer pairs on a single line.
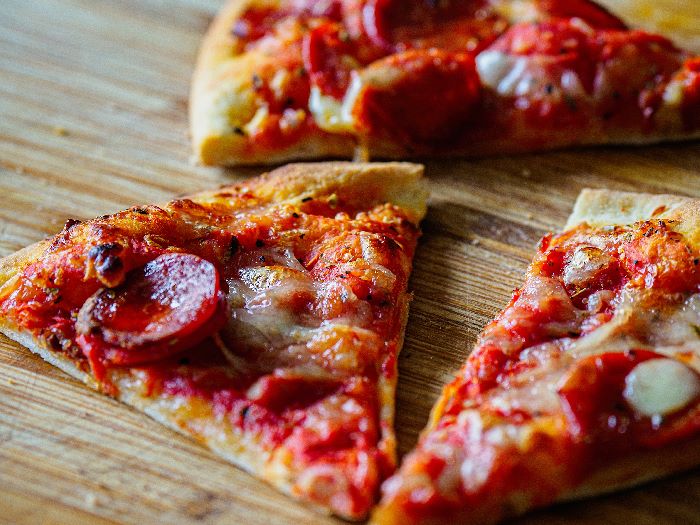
[[396, 26], [593, 14], [554, 39], [430, 95], [327, 53], [164, 307]]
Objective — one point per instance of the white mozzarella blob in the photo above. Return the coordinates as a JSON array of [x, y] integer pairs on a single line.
[[500, 71], [257, 122], [333, 115], [515, 75], [659, 387]]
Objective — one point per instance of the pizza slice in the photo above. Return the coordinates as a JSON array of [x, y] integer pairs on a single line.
[[263, 319], [587, 382], [282, 79]]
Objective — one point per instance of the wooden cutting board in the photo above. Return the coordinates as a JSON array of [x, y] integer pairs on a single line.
[[93, 97]]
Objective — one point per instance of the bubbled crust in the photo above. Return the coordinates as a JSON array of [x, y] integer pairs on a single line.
[[601, 208], [363, 186]]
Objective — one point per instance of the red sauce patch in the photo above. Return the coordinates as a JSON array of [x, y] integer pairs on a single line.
[[592, 396], [328, 57], [430, 99]]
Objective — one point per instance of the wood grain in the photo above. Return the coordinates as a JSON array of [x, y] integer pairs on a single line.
[[92, 119]]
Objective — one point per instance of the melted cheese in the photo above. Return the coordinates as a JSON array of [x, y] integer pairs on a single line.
[[520, 76], [659, 387], [584, 264], [673, 331], [265, 318], [257, 122], [500, 71], [333, 115]]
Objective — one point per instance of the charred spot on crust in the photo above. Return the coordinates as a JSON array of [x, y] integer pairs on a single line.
[[70, 223], [233, 246], [107, 263], [102, 250]]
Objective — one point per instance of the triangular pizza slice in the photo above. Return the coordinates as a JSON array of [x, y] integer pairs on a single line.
[[264, 318], [587, 382]]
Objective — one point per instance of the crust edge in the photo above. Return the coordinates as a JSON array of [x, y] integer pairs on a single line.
[[602, 207]]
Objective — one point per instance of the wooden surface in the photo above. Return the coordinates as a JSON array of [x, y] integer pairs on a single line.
[[93, 119]]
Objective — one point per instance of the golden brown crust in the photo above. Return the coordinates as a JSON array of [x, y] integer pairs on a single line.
[[216, 50], [602, 207], [360, 185], [607, 207]]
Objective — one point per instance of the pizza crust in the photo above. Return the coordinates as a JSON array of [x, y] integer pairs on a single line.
[[10, 265], [244, 453], [600, 208]]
